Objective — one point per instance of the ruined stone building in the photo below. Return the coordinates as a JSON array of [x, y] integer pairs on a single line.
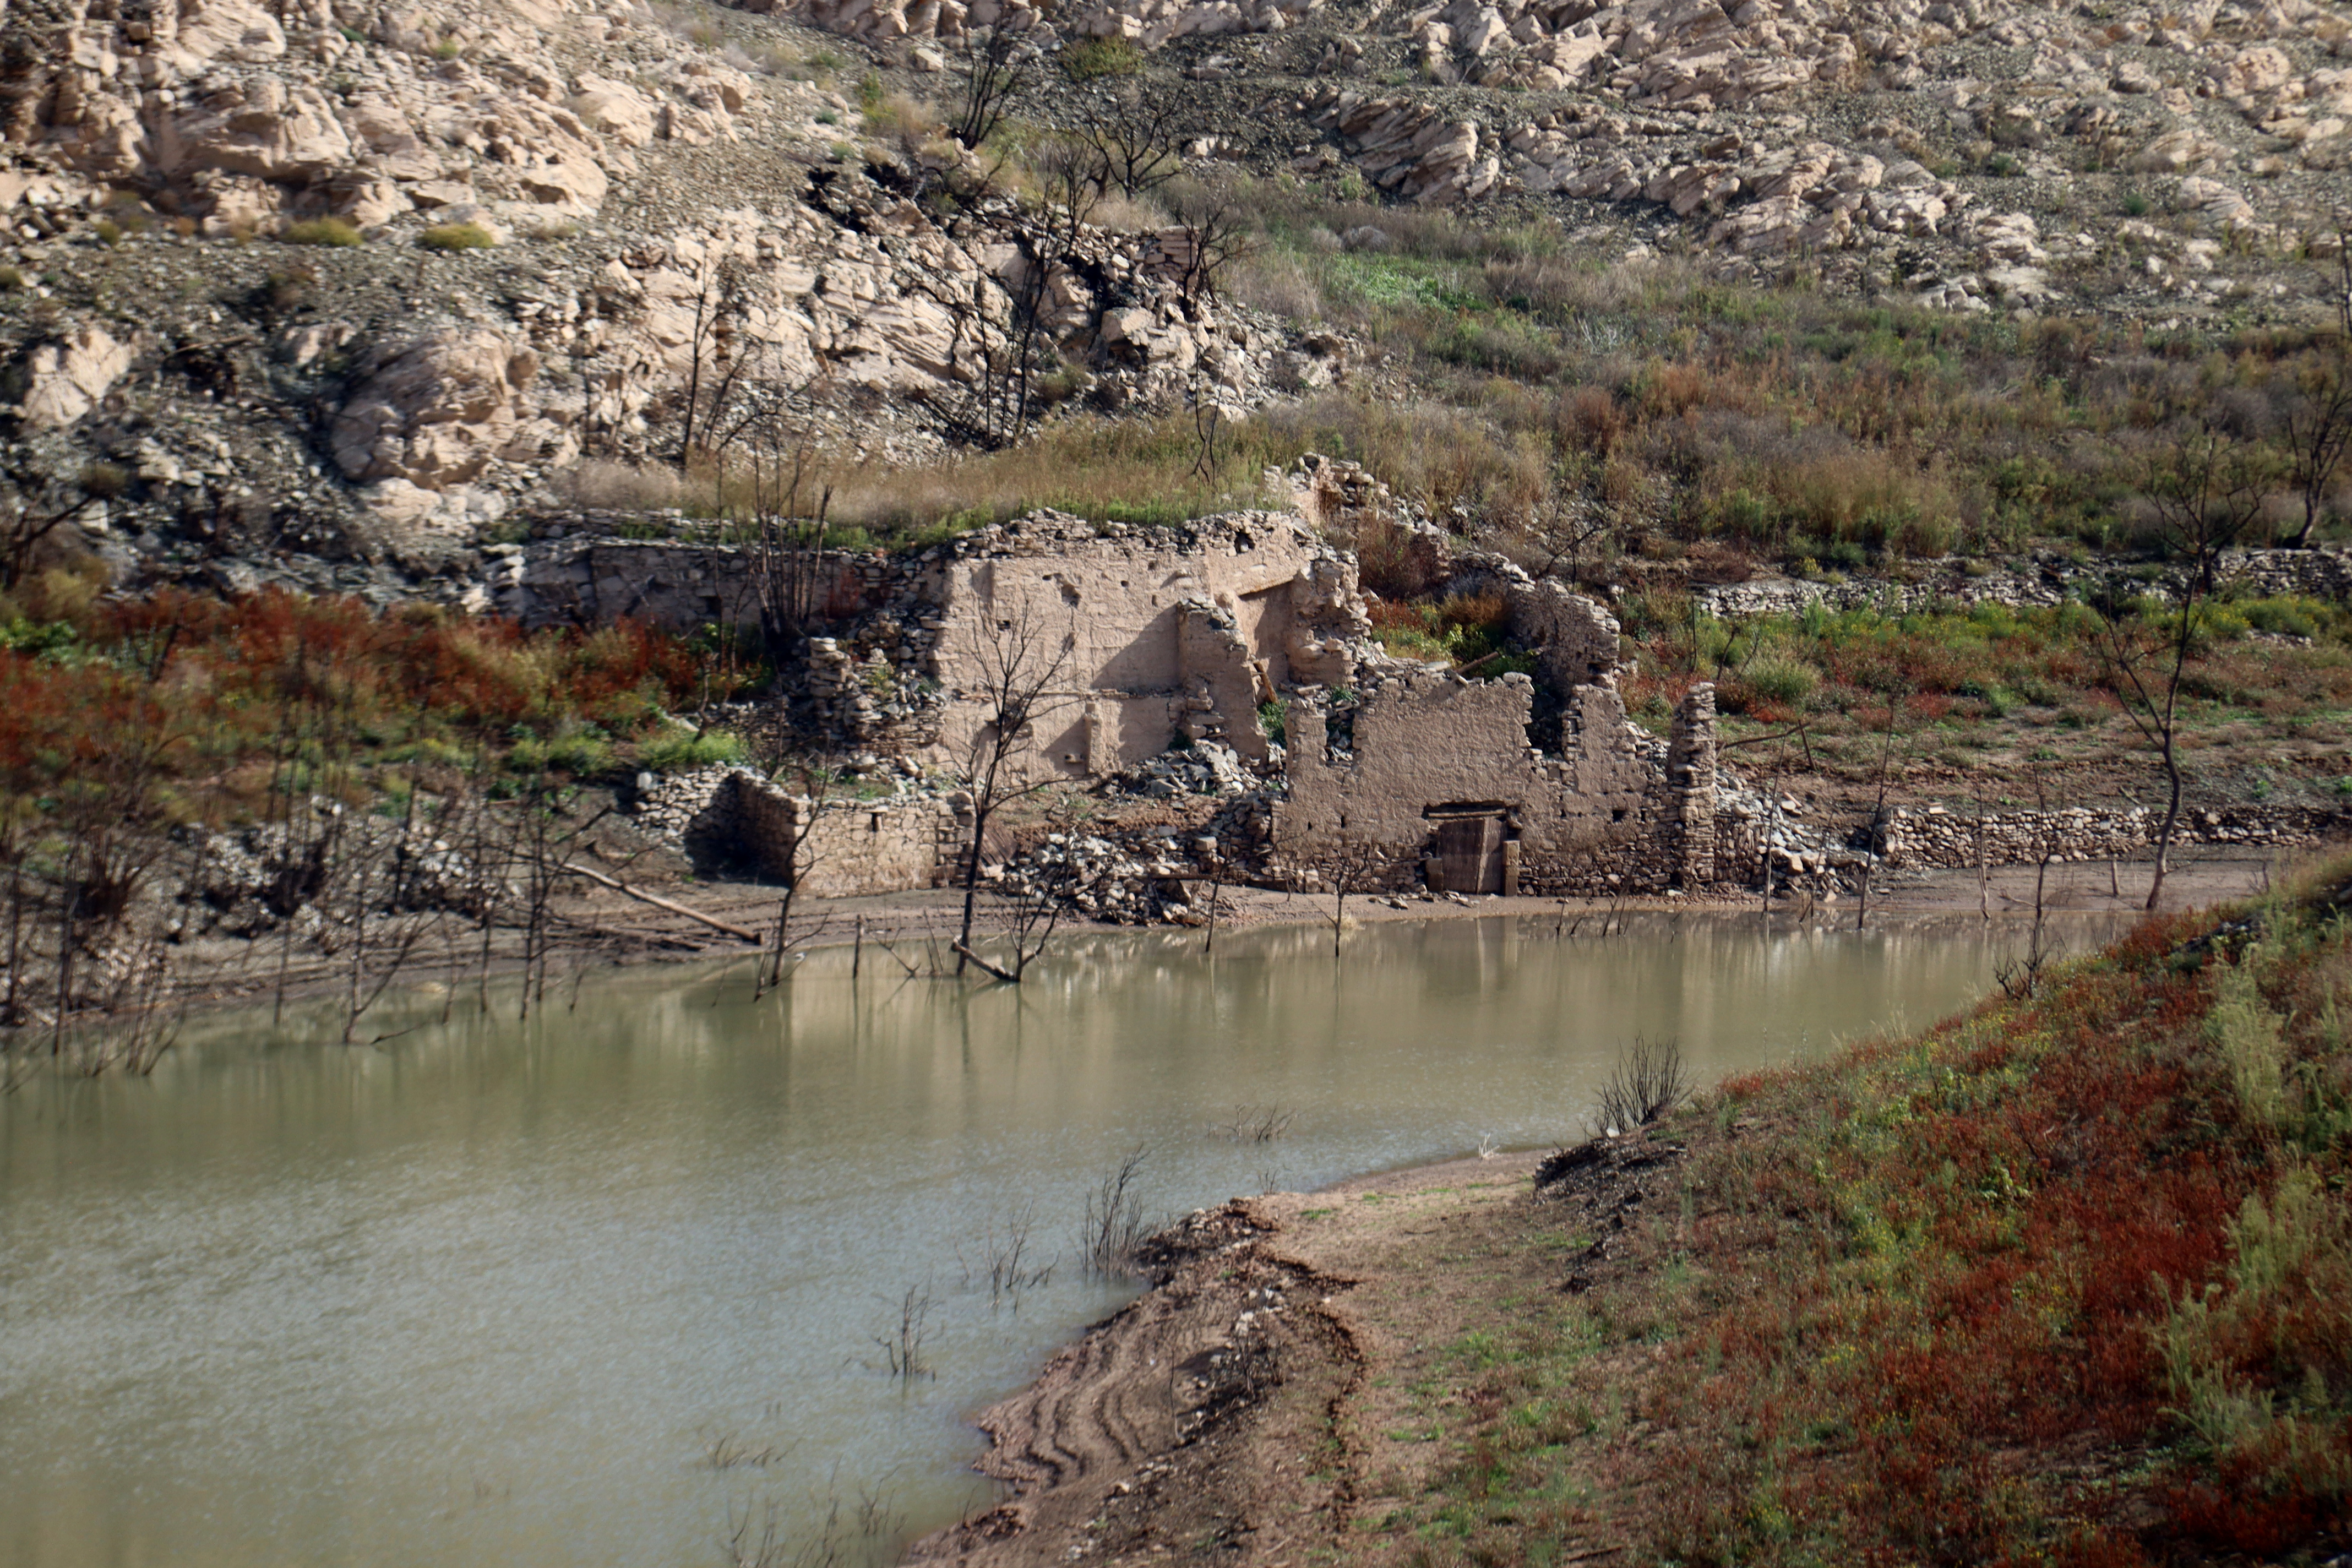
[[1398, 772]]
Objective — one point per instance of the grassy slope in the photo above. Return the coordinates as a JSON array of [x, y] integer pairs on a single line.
[[2068, 1278]]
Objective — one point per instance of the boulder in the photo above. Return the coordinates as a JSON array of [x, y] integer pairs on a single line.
[[64, 380], [436, 411]]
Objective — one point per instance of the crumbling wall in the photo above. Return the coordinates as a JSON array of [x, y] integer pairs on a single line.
[[1608, 814], [1160, 631], [856, 846]]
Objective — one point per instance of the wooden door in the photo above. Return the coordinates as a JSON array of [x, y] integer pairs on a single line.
[[1470, 854]]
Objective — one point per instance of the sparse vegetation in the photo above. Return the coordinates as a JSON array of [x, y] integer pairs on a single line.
[[2065, 1279], [1091, 57], [327, 231], [456, 236]]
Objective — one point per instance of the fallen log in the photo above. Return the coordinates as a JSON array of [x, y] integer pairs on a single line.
[[573, 869]]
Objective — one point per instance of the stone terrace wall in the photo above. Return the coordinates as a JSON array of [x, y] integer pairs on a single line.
[[1934, 838], [2325, 574], [1747, 831]]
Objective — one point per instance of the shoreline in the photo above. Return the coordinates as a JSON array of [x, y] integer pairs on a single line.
[[1215, 1406], [219, 976]]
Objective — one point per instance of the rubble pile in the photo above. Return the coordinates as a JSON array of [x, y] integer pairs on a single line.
[[1205, 767], [248, 880], [1143, 873]]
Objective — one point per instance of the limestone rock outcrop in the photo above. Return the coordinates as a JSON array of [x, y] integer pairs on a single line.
[[247, 115], [436, 412], [67, 379]]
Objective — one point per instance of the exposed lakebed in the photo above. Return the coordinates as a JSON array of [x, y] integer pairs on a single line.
[[598, 1287]]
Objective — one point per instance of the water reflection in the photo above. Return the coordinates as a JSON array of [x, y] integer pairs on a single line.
[[522, 1294]]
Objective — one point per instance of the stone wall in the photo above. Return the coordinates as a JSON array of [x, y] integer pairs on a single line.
[[856, 847], [1609, 812], [2321, 573], [1937, 837], [1159, 631]]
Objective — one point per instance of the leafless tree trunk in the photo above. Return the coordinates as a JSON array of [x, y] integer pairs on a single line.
[[1350, 868], [2318, 424], [816, 788], [1016, 661], [2208, 493], [995, 69]]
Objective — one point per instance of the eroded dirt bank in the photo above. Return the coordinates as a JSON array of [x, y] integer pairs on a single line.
[[1268, 1402]]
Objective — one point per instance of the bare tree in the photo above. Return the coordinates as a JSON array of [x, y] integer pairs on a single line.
[[1216, 234], [715, 363], [1350, 866], [34, 506], [2318, 423], [2207, 492], [996, 67], [1134, 137], [787, 543], [1565, 534], [799, 855], [1014, 661], [1071, 176]]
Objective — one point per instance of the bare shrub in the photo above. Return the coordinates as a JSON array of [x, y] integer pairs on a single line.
[[1648, 1081], [1257, 1123], [902, 1343], [1114, 1228], [1277, 283]]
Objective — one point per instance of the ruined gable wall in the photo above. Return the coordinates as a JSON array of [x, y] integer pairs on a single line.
[[1166, 629]]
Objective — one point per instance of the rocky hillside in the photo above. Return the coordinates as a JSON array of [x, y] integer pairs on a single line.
[[337, 291]]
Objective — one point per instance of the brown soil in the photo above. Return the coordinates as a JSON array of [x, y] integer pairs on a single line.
[[1280, 1397]]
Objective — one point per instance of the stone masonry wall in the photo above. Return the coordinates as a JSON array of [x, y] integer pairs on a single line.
[[1606, 814], [858, 846]]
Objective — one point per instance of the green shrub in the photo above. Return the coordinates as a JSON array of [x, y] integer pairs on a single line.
[[675, 749], [2289, 614], [456, 236], [1272, 721], [1092, 58], [1777, 677], [336, 231]]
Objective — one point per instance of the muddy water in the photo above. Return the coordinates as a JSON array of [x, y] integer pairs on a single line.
[[605, 1287]]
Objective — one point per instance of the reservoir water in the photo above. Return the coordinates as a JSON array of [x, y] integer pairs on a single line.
[[607, 1287]]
